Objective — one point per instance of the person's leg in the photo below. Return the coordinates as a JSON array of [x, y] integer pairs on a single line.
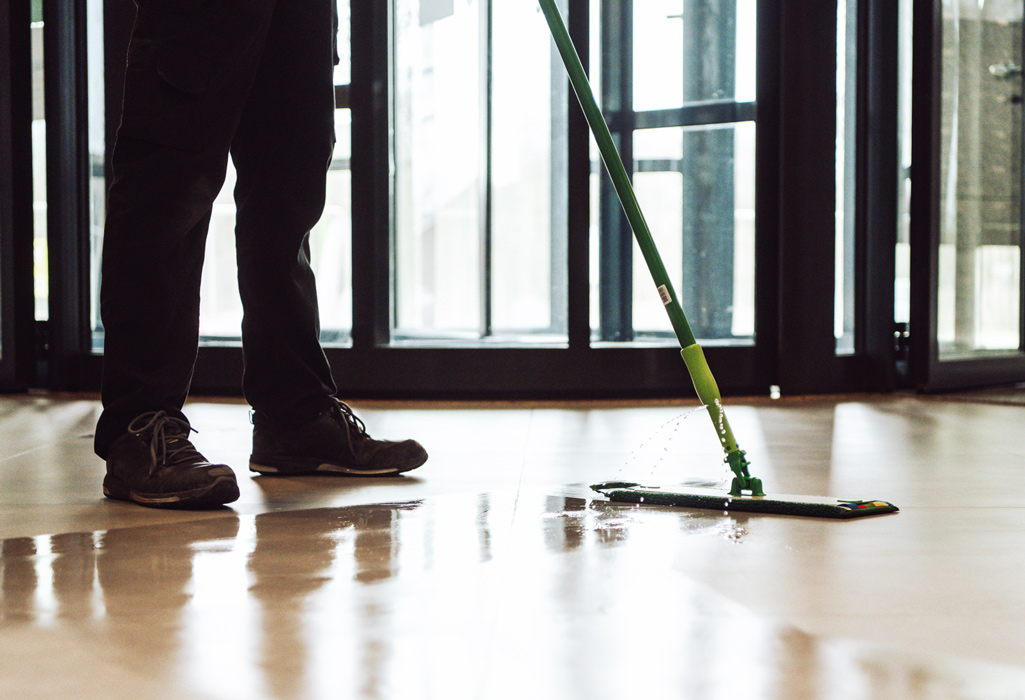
[[281, 151], [154, 243], [190, 66]]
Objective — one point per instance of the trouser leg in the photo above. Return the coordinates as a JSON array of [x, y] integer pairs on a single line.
[[281, 151], [189, 71], [149, 298]]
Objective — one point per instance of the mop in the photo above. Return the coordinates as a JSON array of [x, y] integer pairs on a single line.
[[746, 493]]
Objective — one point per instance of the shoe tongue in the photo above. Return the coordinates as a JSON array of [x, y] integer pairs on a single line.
[[180, 450]]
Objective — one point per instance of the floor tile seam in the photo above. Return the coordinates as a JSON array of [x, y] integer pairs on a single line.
[[915, 650], [503, 590], [33, 450], [524, 456]]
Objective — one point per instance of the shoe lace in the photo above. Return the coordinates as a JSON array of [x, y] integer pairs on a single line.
[[355, 429], [168, 436]]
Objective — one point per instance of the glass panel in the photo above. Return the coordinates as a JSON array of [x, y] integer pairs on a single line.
[[660, 195], [438, 152], [460, 273], [528, 268], [97, 155], [331, 240], [715, 40], [744, 78], [39, 246], [902, 277], [696, 187], [846, 141], [343, 71], [981, 154], [220, 309], [743, 321], [658, 46]]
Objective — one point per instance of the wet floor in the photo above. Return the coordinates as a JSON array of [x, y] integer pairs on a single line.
[[496, 573]]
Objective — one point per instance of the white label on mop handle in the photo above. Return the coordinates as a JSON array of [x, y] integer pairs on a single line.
[[664, 293]]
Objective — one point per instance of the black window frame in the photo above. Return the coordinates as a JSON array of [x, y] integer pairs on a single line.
[[794, 346]]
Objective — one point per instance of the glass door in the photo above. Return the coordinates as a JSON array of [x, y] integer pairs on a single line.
[[971, 298]]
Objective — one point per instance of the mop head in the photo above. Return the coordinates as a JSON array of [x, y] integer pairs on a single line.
[[780, 504]]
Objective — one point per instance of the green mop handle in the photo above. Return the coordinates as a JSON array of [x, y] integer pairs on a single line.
[[693, 356]]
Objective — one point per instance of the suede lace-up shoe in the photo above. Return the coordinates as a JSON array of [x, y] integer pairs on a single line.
[[155, 465], [335, 442]]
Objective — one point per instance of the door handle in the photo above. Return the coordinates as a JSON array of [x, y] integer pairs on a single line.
[[1005, 70]]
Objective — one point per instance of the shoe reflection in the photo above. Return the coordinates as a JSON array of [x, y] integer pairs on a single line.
[[304, 569]]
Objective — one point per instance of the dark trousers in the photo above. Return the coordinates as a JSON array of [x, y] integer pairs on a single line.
[[205, 78]]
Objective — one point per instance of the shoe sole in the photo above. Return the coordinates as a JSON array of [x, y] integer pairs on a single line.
[[327, 468], [223, 489]]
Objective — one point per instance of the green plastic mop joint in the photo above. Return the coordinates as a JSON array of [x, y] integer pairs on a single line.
[[742, 481]]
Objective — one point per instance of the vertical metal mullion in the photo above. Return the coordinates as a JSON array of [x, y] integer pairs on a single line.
[[878, 188], [807, 190], [624, 233], [578, 187], [67, 188], [17, 366], [486, 87], [373, 291], [769, 38], [6, 204], [925, 149], [616, 239]]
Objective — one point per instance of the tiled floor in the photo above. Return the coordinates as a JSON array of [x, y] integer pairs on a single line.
[[494, 572]]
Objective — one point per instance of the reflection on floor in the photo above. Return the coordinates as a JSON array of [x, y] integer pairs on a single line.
[[494, 572]]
